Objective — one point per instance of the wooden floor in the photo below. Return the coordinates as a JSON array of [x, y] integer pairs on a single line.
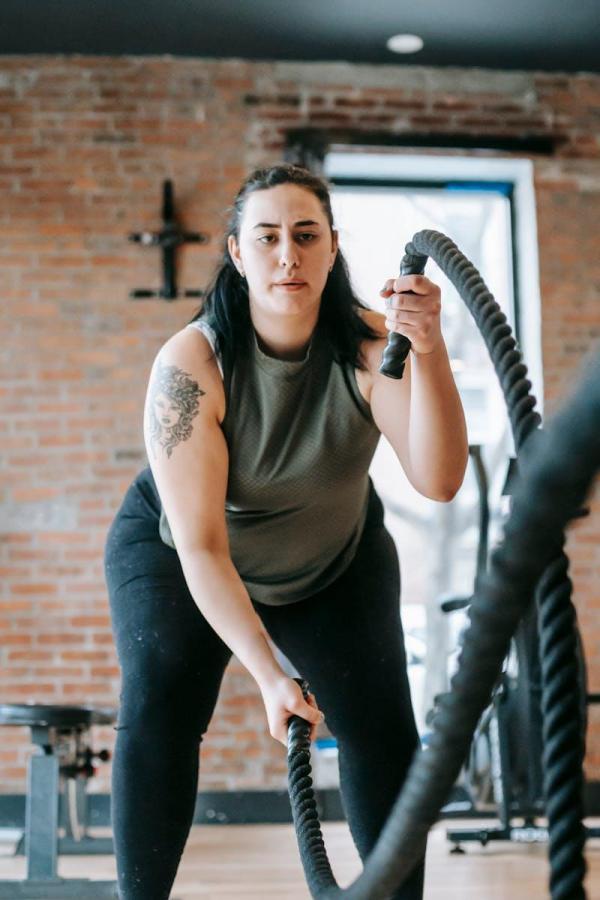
[[260, 862]]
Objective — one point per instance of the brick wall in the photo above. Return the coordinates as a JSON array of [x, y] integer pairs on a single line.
[[85, 145]]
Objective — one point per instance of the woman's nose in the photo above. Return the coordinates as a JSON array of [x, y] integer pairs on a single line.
[[288, 254]]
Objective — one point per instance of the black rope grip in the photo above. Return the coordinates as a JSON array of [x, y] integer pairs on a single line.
[[398, 345]]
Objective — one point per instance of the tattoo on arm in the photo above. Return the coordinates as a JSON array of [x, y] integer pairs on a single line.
[[172, 406]]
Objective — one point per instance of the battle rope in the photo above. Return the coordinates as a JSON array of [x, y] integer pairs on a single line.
[[563, 729], [542, 506]]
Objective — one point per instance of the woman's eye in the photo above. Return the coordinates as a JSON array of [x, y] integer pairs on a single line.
[[306, 236]]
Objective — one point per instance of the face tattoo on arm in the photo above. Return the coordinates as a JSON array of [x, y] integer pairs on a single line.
[[173, 404]]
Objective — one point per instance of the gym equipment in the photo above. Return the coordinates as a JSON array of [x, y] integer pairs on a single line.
[[532, 549], [168, 239], [59, 773], [497, 774]]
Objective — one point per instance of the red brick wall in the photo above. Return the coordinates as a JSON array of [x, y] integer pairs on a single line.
[[85, 144]]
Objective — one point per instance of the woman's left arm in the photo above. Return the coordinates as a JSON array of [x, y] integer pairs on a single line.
[[421, 414]]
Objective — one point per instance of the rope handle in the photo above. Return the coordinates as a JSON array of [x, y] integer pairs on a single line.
[[398, 345]]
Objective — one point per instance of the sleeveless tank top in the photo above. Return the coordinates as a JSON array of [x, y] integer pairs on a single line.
[[301, 438]]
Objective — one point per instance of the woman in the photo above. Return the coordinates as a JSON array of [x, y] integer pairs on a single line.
[[256, 518]]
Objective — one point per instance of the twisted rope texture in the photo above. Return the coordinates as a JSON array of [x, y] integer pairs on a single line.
[[540, 512], [563, 725]]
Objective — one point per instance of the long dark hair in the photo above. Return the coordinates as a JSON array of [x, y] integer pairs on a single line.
[[226, 302]]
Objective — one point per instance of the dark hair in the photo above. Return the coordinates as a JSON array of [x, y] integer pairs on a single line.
[[226, 301]]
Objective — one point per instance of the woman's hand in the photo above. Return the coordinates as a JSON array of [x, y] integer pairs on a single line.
[[283, 698], [416, 315]]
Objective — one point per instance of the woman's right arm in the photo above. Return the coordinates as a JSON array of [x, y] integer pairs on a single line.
[[188, 456]]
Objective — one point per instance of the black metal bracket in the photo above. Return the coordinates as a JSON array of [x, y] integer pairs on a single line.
[[169, 238]]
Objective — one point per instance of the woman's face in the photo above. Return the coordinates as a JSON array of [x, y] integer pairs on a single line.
[[166, 411], [284, 237]]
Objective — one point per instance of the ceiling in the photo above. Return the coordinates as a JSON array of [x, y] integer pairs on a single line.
[[549, 35]]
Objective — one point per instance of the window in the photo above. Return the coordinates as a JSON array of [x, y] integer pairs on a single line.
[[379, 202]]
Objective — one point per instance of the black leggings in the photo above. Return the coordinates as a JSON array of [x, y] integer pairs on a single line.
[[345, 640]]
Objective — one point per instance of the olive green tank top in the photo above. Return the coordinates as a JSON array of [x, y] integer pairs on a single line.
[[300, 438]]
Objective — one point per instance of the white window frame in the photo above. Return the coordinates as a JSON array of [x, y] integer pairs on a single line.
[[519, 172]]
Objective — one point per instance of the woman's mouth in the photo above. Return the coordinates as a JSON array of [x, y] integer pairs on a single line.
[[290, 285]]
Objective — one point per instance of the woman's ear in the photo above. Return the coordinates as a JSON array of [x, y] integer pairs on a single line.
[[334, 245], [234, 252]]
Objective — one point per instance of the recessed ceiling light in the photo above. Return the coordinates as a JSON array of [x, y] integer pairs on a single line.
[[405, 43]]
